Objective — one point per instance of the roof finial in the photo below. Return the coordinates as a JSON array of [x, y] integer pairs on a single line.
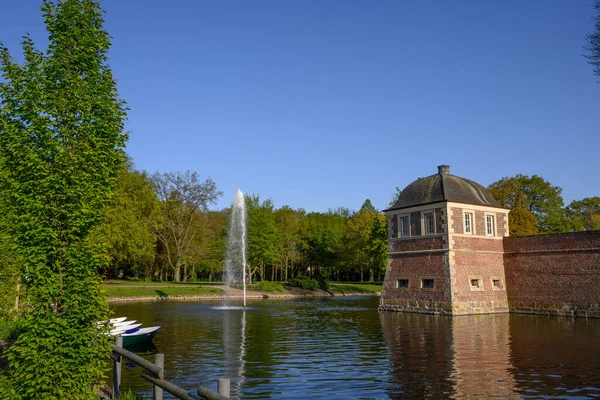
[[443, 169]]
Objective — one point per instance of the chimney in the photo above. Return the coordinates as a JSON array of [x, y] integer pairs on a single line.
[[443, 169]]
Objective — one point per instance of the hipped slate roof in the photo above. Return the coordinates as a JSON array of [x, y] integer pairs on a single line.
[[444, 187]]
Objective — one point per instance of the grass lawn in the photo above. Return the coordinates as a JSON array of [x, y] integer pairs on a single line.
[[355, 287], [165, 289]]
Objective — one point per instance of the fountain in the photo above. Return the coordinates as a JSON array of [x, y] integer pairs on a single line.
[[235, 260]]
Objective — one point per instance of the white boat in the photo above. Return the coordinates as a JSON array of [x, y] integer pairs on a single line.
[[124, 323], [122, 329], [138, 335]]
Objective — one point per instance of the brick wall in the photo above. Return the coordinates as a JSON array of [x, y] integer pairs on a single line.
[[415, 267], [415, 244], [554, 274], [415, 223]]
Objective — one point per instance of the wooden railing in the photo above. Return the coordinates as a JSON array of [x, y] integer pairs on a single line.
[[154, 373]]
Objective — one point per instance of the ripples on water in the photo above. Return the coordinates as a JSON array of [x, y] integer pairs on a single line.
[[344, 348]]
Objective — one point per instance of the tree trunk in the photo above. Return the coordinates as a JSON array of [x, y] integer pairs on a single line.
[[371, 275], [177, 273], [362, 271], [210, 276]]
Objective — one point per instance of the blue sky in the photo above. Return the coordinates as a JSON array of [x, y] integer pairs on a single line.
[[319, 104]]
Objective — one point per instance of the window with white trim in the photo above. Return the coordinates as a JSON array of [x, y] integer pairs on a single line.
[[429, 223], [490, 225], [403, 225], [402, 283], [427, 283], [469, 223]]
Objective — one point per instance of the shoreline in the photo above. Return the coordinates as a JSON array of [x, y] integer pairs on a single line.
[[249, 296]]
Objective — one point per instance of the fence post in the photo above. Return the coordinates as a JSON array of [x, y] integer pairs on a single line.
[[117, 368], [223, 387], [159, 361]]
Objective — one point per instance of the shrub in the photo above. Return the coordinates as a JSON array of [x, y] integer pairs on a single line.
[[9, 328], [304, 282], [322, 279], [266, 286]]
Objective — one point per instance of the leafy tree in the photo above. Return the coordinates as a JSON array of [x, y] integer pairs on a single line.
[[210, 242], [322, 241], [522, 222], [378, 246], [262, 235], [127, 229], [593, 39], [61, 125], [534, 194], [288, 222], [182, 196], [368, 206], [584, 213], [395, 197]]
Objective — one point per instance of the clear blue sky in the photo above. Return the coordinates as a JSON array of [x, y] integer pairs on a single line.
[[323, 103]]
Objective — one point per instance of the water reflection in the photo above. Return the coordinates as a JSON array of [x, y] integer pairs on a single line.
[[346, 349]]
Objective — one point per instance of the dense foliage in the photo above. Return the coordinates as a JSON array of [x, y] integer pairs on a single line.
[[61, 125], [537, 206]]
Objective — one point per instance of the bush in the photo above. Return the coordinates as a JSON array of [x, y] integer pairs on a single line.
[[9, 328], [322, 279], [266, 286], [304, 282]]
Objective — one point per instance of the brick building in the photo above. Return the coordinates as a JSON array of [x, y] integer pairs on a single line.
[[447, 240]]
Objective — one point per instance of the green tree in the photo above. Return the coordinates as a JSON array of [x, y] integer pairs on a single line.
[[322, 241], [182, 196], [534, 194], [395, 197], [584, 213], [288, 223], [378, 246], [593, 40], [61, 131], [127, 230], [262, 235]]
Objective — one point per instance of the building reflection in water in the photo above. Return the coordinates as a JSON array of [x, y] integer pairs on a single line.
[[443, 357]]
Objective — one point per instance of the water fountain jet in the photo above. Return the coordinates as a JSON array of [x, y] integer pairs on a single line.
[[235, 260]]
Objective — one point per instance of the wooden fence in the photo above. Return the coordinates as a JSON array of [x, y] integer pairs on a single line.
[[154, 373]]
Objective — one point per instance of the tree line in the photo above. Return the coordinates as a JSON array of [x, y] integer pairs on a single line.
[[160, 227]]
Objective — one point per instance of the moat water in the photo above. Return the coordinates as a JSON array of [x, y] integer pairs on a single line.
[[343, 348]]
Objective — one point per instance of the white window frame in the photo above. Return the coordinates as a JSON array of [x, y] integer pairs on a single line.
[[424, 221], [487, 227], [471, 214], [399, 221], [402, 287], [422, 281]]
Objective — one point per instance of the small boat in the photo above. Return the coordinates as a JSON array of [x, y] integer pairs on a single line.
[[116, 320], [122, 329], [138, 335], [122, 324]]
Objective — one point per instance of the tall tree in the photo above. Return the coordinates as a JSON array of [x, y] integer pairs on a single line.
[[593, 40], [127, 229], [61, 131], [262, 235], [395, 197], [584, 213], [536, 195], [182, 195], [288, 222]]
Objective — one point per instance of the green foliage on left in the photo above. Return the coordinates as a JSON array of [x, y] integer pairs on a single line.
[[303, 282], [61, 125]]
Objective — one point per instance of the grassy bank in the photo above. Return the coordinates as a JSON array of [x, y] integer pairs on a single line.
[[164, 289]]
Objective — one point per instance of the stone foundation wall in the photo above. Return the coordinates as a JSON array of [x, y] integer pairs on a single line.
[[554, 274]]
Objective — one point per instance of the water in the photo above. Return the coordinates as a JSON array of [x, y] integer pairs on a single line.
[[343, 348], [235, 259]]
